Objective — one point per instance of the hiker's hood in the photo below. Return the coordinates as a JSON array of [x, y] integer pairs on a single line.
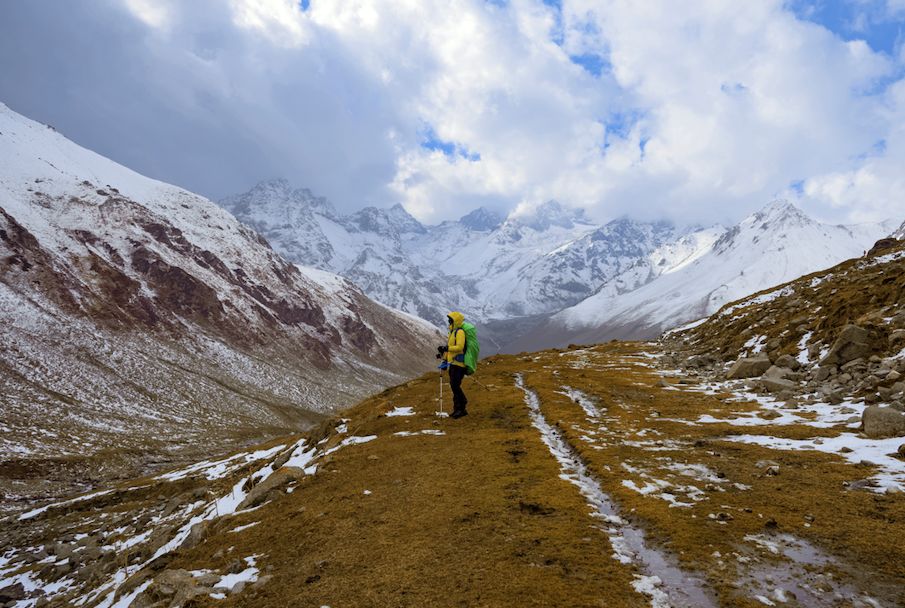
[[458, 318]]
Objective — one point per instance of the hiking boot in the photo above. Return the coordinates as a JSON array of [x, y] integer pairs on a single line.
[[458, 414]]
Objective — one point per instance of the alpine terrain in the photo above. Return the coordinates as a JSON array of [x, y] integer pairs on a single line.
[[549, 277], [141, 323], [770, 247], [757, 459]]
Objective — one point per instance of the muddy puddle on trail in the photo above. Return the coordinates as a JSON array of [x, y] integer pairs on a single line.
[[807, 576], [661, 580]]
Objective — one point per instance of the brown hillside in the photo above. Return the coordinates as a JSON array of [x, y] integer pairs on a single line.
[[482, 514]]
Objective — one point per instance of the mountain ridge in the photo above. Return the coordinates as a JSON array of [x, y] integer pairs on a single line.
[[138, 316]]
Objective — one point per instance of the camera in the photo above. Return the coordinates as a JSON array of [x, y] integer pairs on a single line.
[[441, 350]]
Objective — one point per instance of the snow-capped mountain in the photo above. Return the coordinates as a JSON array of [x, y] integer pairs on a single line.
[[488, 266], [775, 245], [899, 233], [132, 308]]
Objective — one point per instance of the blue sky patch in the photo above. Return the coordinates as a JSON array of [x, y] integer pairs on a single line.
[[867, 20], [592, 63], [430, 141]]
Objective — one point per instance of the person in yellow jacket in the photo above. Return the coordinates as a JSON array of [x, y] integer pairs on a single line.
[[455, 362]]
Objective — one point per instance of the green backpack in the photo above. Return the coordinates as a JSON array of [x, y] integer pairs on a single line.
[[472, 348]]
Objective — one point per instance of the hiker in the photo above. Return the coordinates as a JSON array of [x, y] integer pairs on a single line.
[[454, 352]]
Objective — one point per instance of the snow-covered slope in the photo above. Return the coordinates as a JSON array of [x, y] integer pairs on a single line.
[[900, 232], [130, 308], [485, 265], [772, 246]]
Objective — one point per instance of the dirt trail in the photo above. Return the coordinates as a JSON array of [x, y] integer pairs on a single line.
[[577, 480]]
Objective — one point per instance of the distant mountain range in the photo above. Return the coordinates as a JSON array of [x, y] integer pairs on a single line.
[[551, 276]]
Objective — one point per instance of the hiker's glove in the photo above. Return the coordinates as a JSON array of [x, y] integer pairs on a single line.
[[444, 365]]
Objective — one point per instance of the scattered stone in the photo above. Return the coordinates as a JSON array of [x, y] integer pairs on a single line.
[[723, 516], [852, 343], [845, 450], [883, 422], [776, 371], [277, 480], [893, 376], [772, 471], [235, 567], [825, 372], [749, 367], [860, 484], [777, 385], [788, 361], [901, 450], [196, 535], [12, 593]]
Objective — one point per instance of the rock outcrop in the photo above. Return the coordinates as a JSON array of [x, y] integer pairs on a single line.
[[749, 367], [853, 343], [879, 422]]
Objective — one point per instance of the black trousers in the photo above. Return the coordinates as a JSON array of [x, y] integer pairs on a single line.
[[456, 374]]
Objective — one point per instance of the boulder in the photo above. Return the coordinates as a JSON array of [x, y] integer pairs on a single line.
[[897, 337], [852, 343], [197, 533], [702, 361], [777, 385], [749, 367], [825, 372], [893, 376], [788, 362], [882, 245], [883, 422], [278, 479], [12, 593], [778, 372]]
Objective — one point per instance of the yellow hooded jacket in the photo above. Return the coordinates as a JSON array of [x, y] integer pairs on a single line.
[[456, 341]]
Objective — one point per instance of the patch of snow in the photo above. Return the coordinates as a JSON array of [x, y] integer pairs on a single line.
[[880, 452], [401, 411], [803, 348], [35, 512]]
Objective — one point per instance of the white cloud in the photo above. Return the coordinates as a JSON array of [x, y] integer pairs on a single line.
[[150, 12], [702, 112]]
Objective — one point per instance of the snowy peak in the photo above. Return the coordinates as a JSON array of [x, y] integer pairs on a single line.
[[482, 220], [899, 233], [276, 199], [778, 221], [390, 223], [547, 215], [776, 212]]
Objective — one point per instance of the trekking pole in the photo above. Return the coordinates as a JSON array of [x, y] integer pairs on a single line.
[[441, 392], [481, 383]]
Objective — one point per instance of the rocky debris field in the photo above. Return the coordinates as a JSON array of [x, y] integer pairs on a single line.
[[832, 339], [582, 477]]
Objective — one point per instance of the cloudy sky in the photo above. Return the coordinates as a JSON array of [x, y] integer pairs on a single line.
[[701, 113]]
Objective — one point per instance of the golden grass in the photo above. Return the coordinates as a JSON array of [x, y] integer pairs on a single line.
[[480, 517]]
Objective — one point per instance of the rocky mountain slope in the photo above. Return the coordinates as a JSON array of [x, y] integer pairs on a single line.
[[770, 247], [485, 265], [836, 335], [626, 279], [586, 477], [139, 320]]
